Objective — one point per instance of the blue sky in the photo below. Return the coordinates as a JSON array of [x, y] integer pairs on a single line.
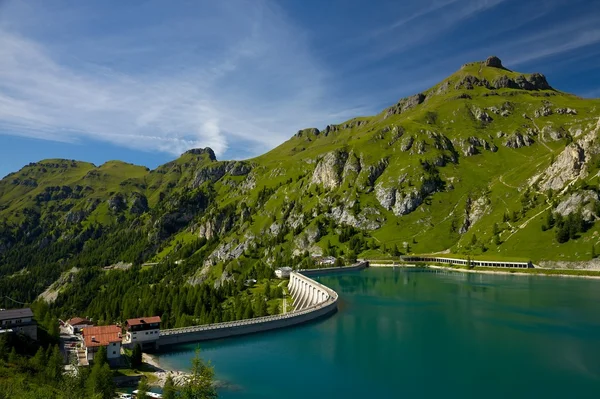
[[143, 81]]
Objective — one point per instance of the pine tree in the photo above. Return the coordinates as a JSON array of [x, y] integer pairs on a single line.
[[38, 362], [54, 367], [143, 389], [200, 383], [136, 356], [101, 358], [169, 391]]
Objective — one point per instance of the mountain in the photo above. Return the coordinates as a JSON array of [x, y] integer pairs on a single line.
[[489, 162]]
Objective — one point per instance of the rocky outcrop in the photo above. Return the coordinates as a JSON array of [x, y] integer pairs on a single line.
[[518, 140], [407, 143], [209, 174], [117, 203], [138, 204], [217, 225], [474, 210], [385, 196], [203, 151], [493, 62], [405, 104], [535, 81], [469, 82], [328, 172], [352, 166], [471, 146], [582, 201], [367, 219], [549, 133], [570, 164], [373, 172], [566, 111], [74, 217], [309, 132], [238, 168], [481, 115], [544, 111], [228, 251], [407, 202]]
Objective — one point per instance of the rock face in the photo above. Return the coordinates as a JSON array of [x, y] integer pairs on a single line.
[[566, 111], [311, 131], [201, 151], [74, 217], [535, 81], [328, 172], [583, 200], [570, 163], [493, 62], [474, 210], [469, 82], [352, 166], [544, 111], [407, 143], [367, 219], [405, 104], [116, 203], [385, 196], [481, 115], [518, 140], [139, 204]]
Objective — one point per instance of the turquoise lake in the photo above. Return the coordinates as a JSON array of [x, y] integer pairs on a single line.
[[416, 334]]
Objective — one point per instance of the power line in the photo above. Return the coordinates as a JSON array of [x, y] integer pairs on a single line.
[[15, 301]]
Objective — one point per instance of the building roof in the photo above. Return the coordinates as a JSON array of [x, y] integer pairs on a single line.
[[15, 314], [77, 321], [143, 320], [285, 269], [101, 335]]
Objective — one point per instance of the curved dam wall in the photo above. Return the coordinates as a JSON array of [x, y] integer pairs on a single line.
[[322, 302]]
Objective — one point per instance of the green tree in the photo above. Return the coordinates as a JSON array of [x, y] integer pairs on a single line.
[[563, 234], [101, 358], [396, 251], [136, 356], [54, 367], [473, 240], [594, 251], [200, 382], [169, 391], [38, 362], [143, 389], [100, 382], [495, 230], [267, 291]]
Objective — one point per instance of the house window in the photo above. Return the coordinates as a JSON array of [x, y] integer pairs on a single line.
[[114, 352]]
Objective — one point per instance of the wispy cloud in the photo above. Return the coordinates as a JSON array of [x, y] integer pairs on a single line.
[[256, 82]]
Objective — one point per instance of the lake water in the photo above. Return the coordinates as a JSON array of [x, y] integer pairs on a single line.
[[408, 334]]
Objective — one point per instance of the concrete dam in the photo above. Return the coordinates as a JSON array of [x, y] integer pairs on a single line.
[[311, 300]]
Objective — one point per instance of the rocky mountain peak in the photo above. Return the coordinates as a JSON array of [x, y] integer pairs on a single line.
[[201, 151], [493, 62]]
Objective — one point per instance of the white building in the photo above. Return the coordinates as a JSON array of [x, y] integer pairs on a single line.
[[18, 321], [143, 330], [77, 324], [283, 272], [108, 336]]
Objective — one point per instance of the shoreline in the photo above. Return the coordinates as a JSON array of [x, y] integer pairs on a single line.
[[511, 273], [160, 373]]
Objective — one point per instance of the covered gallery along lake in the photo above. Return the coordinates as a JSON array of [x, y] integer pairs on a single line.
[[414, 333]]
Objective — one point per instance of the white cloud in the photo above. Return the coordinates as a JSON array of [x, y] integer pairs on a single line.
[[253, 80]]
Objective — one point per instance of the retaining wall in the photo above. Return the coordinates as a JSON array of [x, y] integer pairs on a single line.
[[317, 306], [254, 325]]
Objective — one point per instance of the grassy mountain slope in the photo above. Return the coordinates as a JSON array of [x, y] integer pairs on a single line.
[[475, 165]]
